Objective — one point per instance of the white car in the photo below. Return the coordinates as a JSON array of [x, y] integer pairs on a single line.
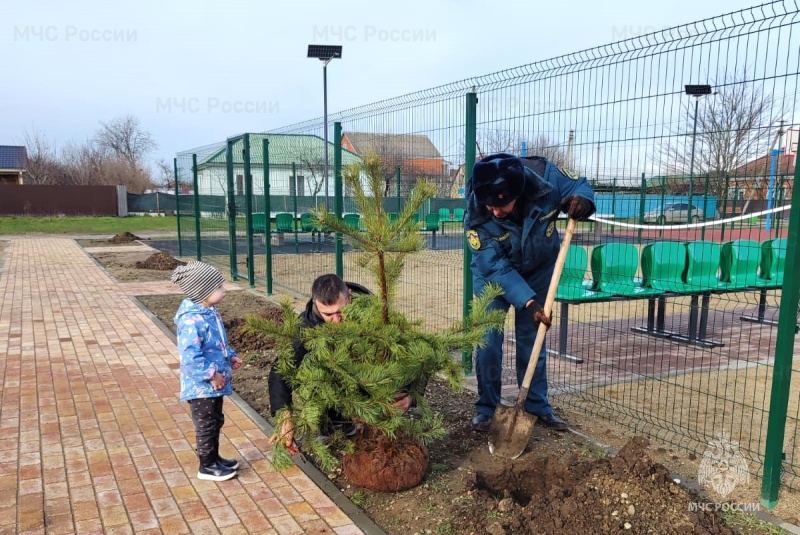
[[674, 213]]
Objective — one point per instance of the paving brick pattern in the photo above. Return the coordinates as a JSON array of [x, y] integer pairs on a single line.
[[93, 437]]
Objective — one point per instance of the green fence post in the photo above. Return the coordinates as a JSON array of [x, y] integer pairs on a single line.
[[267, 209], [784, 352], [177, 206], [337, 191], [642, 199], [397, 178], [471, 123], [724, 207], [248, 204], [705, 208], [198, 251], [613, 202], [294, 204], [663, 200], [231, 209]]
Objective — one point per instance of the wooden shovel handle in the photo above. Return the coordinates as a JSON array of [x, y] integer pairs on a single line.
[[548, 308]]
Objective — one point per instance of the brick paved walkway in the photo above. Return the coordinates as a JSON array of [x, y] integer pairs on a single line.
[[93, 438]]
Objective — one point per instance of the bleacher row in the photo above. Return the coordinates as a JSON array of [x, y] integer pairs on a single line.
[[670, 268], [286, 222]]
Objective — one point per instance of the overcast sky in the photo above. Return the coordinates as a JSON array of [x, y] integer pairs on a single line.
[[197, 72]]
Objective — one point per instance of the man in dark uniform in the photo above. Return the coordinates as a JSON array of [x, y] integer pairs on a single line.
[[329, 295], [512, 206]]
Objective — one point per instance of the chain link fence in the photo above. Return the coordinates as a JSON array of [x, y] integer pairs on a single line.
[[689, 138]]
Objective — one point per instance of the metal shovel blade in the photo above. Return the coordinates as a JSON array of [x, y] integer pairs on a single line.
[[510, 431]]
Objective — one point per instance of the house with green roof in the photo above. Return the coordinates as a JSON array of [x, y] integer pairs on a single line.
[[306, 152]]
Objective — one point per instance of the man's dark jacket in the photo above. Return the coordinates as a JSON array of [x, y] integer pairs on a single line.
[[280, 393]]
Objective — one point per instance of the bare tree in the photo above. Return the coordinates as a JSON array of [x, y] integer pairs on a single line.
[[734, 126], [311, 164], [553, 151], [124, 138], [43, 166], [166, 174], [498, 140]]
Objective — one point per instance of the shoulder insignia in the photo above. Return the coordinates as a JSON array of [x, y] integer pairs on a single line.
[[567, 173], [547, 216], [503, 237], [550, 228], [473, 239]]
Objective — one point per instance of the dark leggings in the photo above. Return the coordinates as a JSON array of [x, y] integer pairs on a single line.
[[208, 421]]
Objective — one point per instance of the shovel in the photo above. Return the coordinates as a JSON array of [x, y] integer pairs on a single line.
[[511, 426]]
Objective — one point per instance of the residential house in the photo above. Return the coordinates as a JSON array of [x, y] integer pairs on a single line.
[[305, 152], [13, 163], [751, 181], [415, 154]]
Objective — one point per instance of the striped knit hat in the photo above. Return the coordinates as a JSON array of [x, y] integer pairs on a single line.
[[198, 280]]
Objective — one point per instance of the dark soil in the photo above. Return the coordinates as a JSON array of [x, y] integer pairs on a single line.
[[561, 484], [124, 237], [122, 266], [160, 261]]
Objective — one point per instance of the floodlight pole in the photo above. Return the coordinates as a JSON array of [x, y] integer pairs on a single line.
[[325, 113], [696, 91], [691, 162]]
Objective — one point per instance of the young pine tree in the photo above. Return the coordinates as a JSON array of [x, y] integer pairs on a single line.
[[357, 367]]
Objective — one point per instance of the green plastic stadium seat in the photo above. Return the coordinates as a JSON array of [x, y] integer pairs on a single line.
[[614, 268], [444, 214], [458, 214], [284, 222], [352, 220], [259, 223], [664, 266], [572, 286], [702, 266], [773, 260], [739, 263], [431, 223], [307, 222]]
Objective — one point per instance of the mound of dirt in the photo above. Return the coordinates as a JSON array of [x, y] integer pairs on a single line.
[[160, 261], [245, 342], [626, 493], [125, 237]]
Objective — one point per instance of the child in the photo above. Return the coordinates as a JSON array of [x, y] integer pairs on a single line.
[[206, 363]]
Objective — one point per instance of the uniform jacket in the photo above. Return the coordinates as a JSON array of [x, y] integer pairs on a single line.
[[203, 349], [519, 253]]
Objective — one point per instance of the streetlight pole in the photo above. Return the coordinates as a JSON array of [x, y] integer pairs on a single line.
[[325, 53], [691, 162], [325, 120], [695, 91]]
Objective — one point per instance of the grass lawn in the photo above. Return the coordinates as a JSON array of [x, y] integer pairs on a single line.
[[86, 225]]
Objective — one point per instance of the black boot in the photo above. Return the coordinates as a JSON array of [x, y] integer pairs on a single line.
[[211, 470], [233, 464]]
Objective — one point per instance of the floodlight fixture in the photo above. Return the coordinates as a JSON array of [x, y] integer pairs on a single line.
[[697, 90], [324, 52]]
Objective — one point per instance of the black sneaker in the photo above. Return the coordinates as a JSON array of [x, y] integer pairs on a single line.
[[215, 472], [233, 464]]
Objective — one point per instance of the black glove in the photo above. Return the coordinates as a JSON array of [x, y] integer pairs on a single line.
[[538, 315], [577, 207]]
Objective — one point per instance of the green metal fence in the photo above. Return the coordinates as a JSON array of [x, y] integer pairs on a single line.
[[675, 168]]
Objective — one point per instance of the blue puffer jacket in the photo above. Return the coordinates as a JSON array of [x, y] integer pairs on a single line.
[[520, 255], [203, 349]]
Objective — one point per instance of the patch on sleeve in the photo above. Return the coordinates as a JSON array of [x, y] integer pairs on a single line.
[[567, 173], [550, 228], [473, 239]]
